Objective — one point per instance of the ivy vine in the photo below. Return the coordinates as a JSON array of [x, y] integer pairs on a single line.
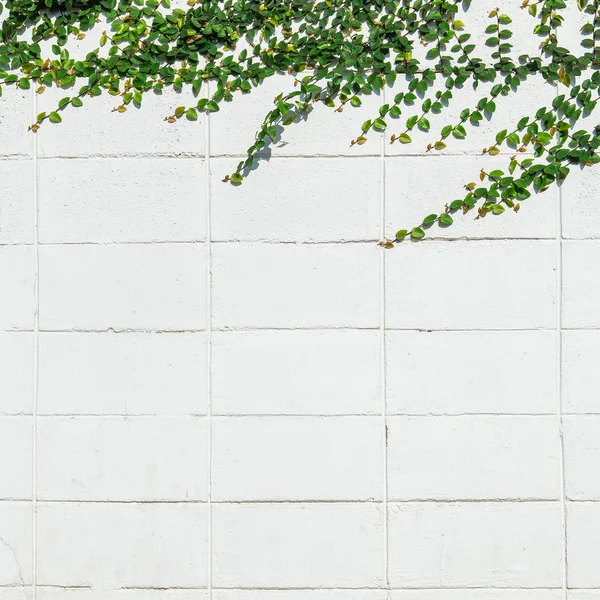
[[337, 51]]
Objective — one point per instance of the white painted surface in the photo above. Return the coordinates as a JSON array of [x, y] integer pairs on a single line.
[[206, 373]]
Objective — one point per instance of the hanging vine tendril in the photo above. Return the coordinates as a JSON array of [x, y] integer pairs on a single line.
[[337, 51]]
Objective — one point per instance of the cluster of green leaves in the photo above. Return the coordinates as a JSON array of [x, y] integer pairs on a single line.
[[337, 51]]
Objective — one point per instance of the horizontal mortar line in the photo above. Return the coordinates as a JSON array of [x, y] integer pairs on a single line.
[[205, 242], [323, 328], [237, 588], [298, 242], [264, 415], [365, 415], [385, 587], [276, 155], [306, 501], [142, 155], [278, 502], [41, 500]]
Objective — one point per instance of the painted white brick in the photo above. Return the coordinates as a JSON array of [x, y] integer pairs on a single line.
[[108, 459], [122, 200], [475, 544], [583, 595], [489, 594], [17, 278], [302, 286], [135, 594], [456, 285], [580, 214], [449, 372], [323, 132], [297, 545], [582, 457], [299, 595], [94, 130], [15, 118], [296, 199], [297, 458], [296, 372], [533, 94], [580, 373], [419, 186], [16, 202], [110, 546], [473, 458], [131, 286], [583, 550], [16, 373], [123, 374], [16, 458], [16, 544], [16, 593], [581, 286]]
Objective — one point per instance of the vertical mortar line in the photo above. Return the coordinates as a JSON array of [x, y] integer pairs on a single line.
[[207, 192], [36, 355], [561, 449], [559, 295], [382, 349]]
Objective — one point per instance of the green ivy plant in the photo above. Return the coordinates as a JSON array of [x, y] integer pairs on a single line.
[[337, 51]]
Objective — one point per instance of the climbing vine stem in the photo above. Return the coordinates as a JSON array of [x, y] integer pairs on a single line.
[[337, 52]]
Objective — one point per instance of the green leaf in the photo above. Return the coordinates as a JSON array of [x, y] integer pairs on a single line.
[[55, 117], [446, 220], [417, 233]]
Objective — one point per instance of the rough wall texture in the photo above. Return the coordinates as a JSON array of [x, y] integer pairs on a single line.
[[211, 392]]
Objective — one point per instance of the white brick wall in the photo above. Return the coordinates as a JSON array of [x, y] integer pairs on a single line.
[[219, 393]]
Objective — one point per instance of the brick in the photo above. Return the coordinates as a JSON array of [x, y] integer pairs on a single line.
[[316, 458], [278, 201], [15, 118], [411, 195], [16, 593], [581, 288], [94, 130], [460, 364], [580, 375], [16, 201], [16, 380], [297, 545], [323, 132], [580, 217], [17, 279], [532, 95], [16, 458], [583, 552], [122, 200], [296, 372], [583, 595], [135, 594], [582, 457], [16, 544], [123, 374], [299, 595], [122, 459], [458, 285], [484, 594], [122, 287], [168, 541], [475, 545], [301, 286], [473, 458]]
